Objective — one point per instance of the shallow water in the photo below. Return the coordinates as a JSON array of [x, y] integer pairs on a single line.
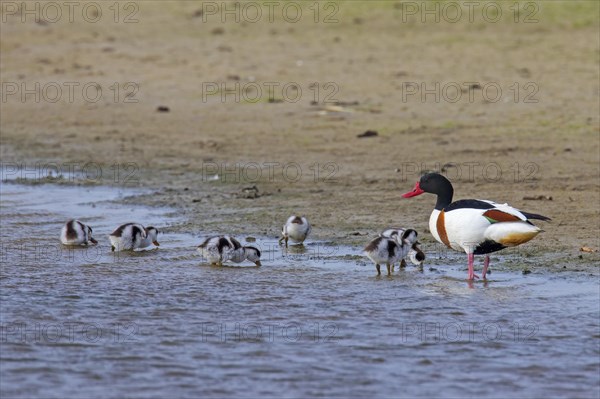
[[313, 321]]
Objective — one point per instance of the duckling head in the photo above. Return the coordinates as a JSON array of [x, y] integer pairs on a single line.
[[89, 235], [152, 233], [417, 257], [410, 236], [253, 255]]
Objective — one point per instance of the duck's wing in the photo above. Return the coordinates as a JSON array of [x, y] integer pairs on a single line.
[[494, 211], [524, 216]]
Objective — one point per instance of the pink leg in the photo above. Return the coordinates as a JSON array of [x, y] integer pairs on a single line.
[[486, 264], [471, 274]]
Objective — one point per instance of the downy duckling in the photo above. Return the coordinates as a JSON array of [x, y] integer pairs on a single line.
[[76, 233], [130, 236], [411, 236], [390, 250], [246, 252], [296, 228], [385, 250], [219, 249]]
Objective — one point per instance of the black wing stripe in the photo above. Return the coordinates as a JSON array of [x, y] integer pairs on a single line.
[[71, 233], [468, 203], [391, 247], [135, 231], [223, 242], [535, 216]]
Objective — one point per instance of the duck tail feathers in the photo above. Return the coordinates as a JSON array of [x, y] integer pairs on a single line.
[[536, 216]]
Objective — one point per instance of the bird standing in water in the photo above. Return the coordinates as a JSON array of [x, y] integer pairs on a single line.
[[477, 227]]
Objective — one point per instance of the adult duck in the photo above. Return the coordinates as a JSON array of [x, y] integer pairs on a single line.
[[476, 227]]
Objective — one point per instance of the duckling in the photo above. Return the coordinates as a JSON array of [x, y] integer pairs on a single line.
[[417, 257], [297, 228], [385, 250], [410, 236], [76, 233], [131, 236], [246, 252], [219, 249], [390, 250]]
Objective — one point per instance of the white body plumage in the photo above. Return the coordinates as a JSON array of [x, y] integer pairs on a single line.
[[296, 228], [467, 228]]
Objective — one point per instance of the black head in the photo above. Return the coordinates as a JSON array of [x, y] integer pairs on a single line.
[[433, 183], [410, 236], [408, 232], [420, 256]]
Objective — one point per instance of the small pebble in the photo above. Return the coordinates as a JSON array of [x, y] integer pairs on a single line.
[[368, 133]]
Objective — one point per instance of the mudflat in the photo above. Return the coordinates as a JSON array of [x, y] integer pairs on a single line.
[[240, 115]]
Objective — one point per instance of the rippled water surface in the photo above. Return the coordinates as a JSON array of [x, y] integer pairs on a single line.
[[310, 322]]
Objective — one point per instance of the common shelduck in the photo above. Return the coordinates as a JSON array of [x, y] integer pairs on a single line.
[[296, 228], [219, 249], [388, 251], [76, 233], [474, 226], [132, 236]]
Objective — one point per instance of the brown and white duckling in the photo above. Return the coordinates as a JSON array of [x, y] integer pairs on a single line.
[[384, 250], [76, 233], [130, 236], [415, 254], [219, 249], [246, 252], [296, 228]]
